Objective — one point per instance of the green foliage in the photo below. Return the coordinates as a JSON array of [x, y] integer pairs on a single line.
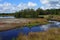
[[31, 13], [17, 14], [13, 38], [31, 24], [27, 13]]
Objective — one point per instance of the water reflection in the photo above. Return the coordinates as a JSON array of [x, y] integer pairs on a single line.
[[8, 35], [6, 16], [54, 24], [25, 30]]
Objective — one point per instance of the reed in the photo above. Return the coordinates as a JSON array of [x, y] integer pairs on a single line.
[[51, 34]]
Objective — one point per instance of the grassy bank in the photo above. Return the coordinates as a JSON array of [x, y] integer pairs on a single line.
[[52, 34], [52, 17], [38, 21], [7, 24], [56, 18], [29, 22]]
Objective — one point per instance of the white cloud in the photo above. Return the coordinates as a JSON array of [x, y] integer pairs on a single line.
[[8, 7], [26, 5], [22, 6], [44, 1], [31, 4], [48, 4]]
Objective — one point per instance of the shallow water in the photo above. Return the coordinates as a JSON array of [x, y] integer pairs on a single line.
[[7, 17], [8, 35]]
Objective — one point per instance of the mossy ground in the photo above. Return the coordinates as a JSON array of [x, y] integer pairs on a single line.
[[36, 22]]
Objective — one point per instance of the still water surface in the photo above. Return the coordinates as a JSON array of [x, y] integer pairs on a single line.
[[7, 17], [8, 35]]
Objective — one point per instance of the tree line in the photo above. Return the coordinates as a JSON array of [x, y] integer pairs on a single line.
[[31, 13], [6, 14]]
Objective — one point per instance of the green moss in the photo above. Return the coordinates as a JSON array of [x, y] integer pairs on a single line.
[[36, 23], [30, 25], [13, 38]]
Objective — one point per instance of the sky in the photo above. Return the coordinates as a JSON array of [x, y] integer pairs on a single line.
[[10, 6]]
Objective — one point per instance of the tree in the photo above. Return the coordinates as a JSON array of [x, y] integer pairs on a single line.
[[17, 15], [40, 11]]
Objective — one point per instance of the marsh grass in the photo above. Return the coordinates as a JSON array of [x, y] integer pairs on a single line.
[[36, 22], [51, 34]]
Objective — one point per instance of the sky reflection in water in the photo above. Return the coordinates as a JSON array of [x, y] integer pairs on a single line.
[[8, 35]]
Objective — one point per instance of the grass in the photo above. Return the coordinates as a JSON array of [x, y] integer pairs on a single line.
[[15, 23], [35, 22], [51, 34], [51, 17], [30, 22], [57, 18]]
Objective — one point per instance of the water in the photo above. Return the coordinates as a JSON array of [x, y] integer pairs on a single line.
[[6, 16], [8, 35]]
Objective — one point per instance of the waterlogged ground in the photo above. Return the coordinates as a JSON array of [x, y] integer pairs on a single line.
[[51, 34], [47, 32], [50, 31], [6, 24]]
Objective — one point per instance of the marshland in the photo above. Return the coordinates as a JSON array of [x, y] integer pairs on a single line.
[[30, 24]]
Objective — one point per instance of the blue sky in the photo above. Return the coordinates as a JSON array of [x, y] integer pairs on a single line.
[[19, 1], [16, 5]]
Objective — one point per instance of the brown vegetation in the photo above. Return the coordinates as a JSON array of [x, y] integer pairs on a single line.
[[6, 24], [52, 34], [56, 17]]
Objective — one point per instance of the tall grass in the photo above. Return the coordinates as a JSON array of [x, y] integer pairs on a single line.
[[52, 34], [35, 22]]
